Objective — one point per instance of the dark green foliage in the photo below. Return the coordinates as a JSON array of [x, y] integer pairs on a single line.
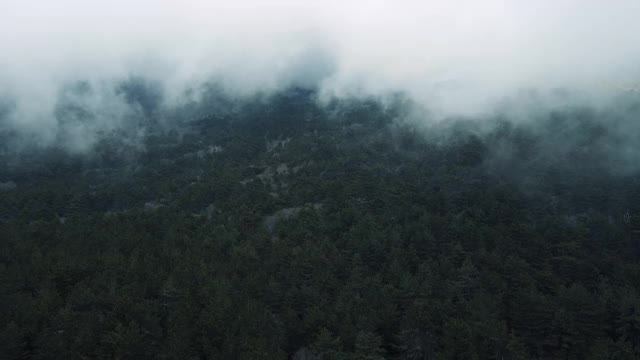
[[281, 229]]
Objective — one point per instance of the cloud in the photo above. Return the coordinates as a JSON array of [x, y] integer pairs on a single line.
[[456, 57]]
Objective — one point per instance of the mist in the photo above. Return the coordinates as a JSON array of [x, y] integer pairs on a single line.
[[72, 69]]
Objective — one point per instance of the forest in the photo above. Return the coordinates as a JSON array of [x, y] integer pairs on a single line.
[[279, 227]]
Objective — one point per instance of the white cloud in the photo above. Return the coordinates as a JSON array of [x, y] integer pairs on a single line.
[[455, 56]]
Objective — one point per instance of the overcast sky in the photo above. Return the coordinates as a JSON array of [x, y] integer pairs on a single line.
[[456, 56]]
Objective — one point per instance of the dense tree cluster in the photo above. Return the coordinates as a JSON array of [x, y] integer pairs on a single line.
[[279, 229]]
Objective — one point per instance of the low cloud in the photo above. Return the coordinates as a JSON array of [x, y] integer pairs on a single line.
[[70, 67]]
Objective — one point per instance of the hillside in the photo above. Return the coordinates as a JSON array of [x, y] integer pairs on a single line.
[[276, 227]]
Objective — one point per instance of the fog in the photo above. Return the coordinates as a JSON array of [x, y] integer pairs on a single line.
[[455, 58]]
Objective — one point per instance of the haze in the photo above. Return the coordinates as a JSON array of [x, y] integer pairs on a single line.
[[455, 57]]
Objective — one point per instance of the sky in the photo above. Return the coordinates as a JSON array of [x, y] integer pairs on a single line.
[[457, 57]]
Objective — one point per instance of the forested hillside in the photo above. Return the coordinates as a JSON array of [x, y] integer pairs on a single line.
[[276, 227]]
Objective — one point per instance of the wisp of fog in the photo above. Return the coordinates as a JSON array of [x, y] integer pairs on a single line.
[[455, 58]]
